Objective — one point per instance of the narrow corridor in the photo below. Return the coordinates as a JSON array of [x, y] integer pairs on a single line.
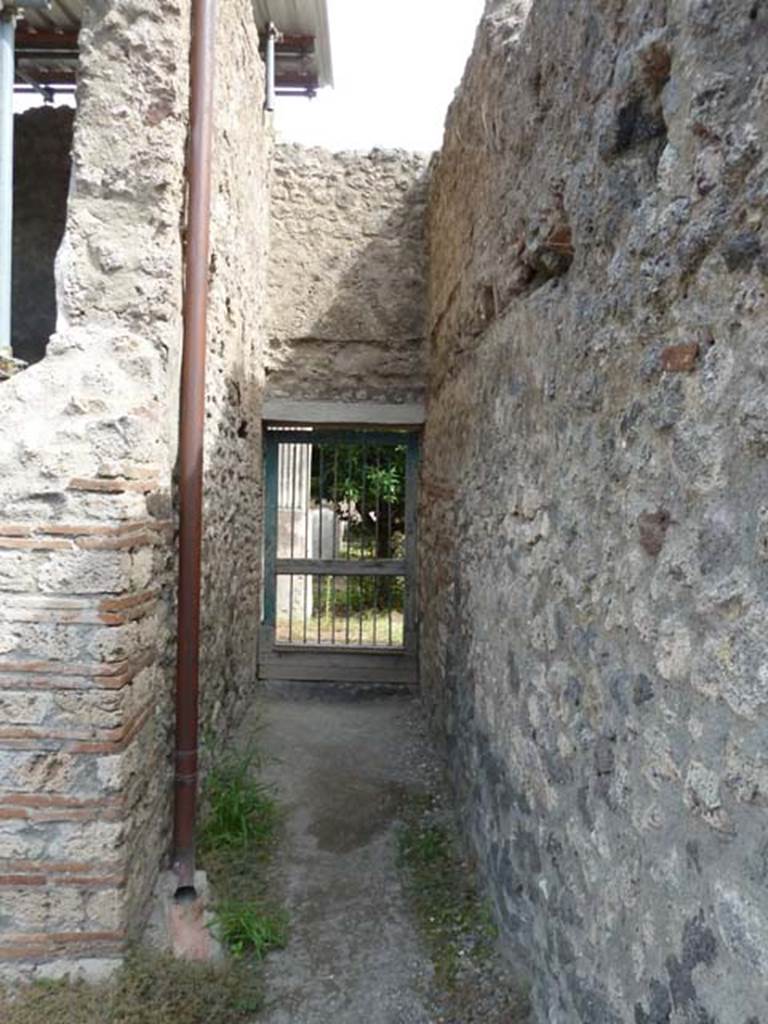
[[342, 768]]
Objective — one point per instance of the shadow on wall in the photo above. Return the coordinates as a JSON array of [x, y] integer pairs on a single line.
[[42, 161], [347, 272], [231, 551]]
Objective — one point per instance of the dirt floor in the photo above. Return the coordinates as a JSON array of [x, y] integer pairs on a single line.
[[355, 858], [345, 765]]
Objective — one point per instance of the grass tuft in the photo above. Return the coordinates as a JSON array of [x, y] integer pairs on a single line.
[[149, 988], [249, 928], [240, 812], [456, 924], [238, 832], [472, 985]]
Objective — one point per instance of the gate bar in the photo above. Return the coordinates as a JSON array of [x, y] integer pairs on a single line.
[[340, 567]]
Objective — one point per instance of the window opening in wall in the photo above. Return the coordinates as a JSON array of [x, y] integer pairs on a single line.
[[43, 44]]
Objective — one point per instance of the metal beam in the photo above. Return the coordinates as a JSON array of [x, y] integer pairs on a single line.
[[47, 77], [340, 567], [296, 80], [40, 38], [288, 42]]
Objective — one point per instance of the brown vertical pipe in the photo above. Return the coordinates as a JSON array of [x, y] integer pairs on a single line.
[[191, 430]]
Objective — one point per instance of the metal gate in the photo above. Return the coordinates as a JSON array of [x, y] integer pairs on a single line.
[[340, 555]]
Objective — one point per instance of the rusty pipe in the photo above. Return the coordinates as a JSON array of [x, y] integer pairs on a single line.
[[191, 432]]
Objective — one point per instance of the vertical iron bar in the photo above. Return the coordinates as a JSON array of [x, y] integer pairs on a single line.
[[307, 527], [378, 502], [410, 637], [375, 606], [377, 542], [320, 528], [272, 487], [335, 506], [363, 490], [349, 540], [363, 543], [360, 599], [391, 589], [293, 449], [324, 586]]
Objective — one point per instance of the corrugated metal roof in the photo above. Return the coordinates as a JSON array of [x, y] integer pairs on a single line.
[[303, 63], [46, 46], [62, 14], [301, 17]]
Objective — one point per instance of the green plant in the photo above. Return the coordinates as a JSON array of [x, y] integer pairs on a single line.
[[246, 927], [366, 485], [425, 847], [362, 593], [238, 834], [240, 812], [150, 988], [453, 919]]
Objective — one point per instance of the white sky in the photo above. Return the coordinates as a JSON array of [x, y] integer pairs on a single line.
[[396, 64]]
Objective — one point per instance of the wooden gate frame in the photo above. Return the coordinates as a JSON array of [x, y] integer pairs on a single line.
[[336, 663]]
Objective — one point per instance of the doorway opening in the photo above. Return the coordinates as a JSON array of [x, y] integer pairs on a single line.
[[339, 555]]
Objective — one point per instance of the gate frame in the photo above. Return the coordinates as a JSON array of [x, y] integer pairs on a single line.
[[336, 662]]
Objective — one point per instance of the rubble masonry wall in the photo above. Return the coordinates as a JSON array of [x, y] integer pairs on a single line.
[[594, 516], [87, 514]]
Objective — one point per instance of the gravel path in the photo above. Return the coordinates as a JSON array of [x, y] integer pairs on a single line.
[[342, 768]]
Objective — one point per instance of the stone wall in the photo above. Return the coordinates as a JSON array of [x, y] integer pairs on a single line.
[[594, 517], [87, 568], [42, 144], [235, 373], [346, 279]]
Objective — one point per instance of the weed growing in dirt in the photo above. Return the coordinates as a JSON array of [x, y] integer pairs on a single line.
[[249, 928], [471, 982], [240, 812], [149, 988], [454, 921], [238, 834]]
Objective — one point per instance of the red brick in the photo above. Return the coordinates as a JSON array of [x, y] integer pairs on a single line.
[[15, 530], [112, 486], [34, 544], [142, 539], [561, 240], [680, 358]]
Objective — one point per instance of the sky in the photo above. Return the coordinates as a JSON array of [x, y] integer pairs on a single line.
[[396, 65]]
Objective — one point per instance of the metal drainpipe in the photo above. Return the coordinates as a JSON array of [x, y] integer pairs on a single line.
[[272, 36], [191, 431]]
